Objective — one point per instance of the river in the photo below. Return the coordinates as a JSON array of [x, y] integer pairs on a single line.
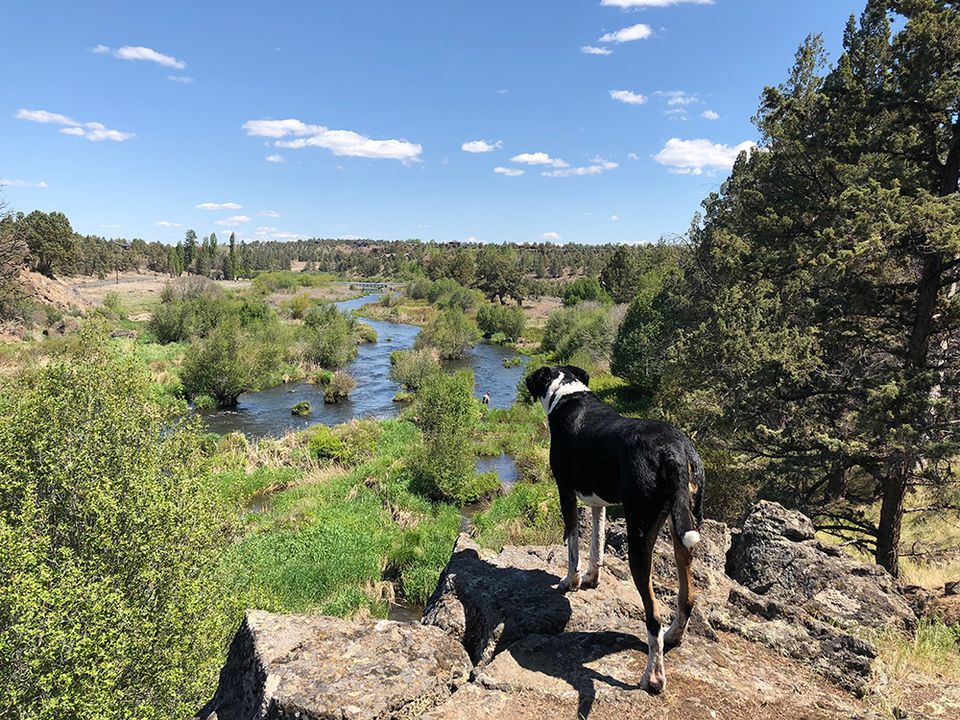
[[267, 412]]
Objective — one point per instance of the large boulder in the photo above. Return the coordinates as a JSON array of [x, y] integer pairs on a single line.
[[776, 555], [311, 666]]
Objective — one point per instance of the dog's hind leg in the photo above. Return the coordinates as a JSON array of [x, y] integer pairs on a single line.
[[598, 538], [641, 537], [686, 596], [571, 533]]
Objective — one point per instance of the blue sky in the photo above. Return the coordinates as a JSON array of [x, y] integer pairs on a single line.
[[135, 117]]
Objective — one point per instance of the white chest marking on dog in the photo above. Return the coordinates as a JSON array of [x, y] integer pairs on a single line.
[[558, 389], [594, 500]]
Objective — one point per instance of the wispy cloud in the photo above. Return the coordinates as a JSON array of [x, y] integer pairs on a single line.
[[539, 158], [509, 172], [598, 166], [275, 158], [233, 221], [182, 79], [710, 115], [17, 182], [628, 34], [628, 97], [339, 142], [633, 156], [594, 50], [481, 146], [138, 52], [636, 4], [694, 157], [678, 97], [614, 218], [551, 236], [269, 213], [219, 206], [168, 224], [92, 131]]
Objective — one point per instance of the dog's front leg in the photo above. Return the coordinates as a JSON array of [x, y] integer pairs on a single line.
[[592, 578], [568, 506]]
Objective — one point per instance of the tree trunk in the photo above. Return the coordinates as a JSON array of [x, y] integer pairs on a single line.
[[836, 481], [891, 519]]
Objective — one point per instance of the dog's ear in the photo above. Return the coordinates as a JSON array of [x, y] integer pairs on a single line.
[[580, 374], [537, 382]]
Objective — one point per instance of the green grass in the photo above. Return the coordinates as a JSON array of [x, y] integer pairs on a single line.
[[527, 515]]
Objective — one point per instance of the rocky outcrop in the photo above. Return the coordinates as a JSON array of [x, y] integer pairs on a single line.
[[777, 555], [305, 666]]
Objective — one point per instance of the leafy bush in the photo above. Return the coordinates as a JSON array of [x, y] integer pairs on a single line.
[[495, 318], [204, 402], [113, 304], [298, 305], [187, 309], [448, 293], [328, 337], [411, 367], [358, 440], [366, 333], [585, 289], [339, 387], [442, 464], [301, 409], [452, 333], [110, 541], [216, 367], [639, 351], [324, 444], [418, 288], [585, 327]]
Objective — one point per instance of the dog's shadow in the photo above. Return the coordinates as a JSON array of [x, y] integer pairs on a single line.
[[523, 610]]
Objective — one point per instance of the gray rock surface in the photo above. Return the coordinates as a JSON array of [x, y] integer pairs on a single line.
[[305, 666], [777, 555]]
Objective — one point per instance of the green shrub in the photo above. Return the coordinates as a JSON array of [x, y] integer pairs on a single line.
[[411, 367], [585, 289], [322, 377], [324, 444], [442, 463], [301, 409], [110, 540], [216, 367], [339, 387], [584, 327], [298, 305], [494, 318], [418, 288], [113, 304], [639, 351], [358, 440], [204, 402], [366, 333], [452, 333], [328, 337]]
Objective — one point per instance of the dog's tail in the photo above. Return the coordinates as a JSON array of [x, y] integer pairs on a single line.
[[687, 507]]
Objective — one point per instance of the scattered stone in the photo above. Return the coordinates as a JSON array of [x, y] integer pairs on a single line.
[[124, 333], [304, 666], [777, 555]]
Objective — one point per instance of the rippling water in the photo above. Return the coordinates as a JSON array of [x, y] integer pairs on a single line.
[[267, 413]]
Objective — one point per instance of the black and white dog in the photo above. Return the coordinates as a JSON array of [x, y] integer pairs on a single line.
[[651, 468]]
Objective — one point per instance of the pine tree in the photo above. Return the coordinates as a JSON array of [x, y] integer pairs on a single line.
[[189, 251]]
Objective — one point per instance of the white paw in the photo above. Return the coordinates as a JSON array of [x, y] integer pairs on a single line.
[[591, 579], [654, 681], [570, 582]]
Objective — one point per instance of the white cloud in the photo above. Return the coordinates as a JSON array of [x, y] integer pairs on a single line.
[[633, 156], [219, 206], [628, 97], [693, 157], [678, 97], [137, 52], [269, 213], [92, 131], [631, 4], [275, 158], [538, 158], [599, 166], [182, 79], [509, 172], [42, 116], [614, 218], [481, 146], [17, 182], [339, 142], [710, 115], [551, 236], [233, 221], [634, 32], [594, 50], [168, 224]]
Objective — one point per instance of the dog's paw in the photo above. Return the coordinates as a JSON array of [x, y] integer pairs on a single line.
[[654, 682], [570, 583], [674, 636], [590, 580]]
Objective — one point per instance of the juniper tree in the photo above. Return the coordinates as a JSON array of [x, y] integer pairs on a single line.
[[818, 326]]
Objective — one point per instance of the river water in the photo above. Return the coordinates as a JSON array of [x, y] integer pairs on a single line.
[[267, 413]]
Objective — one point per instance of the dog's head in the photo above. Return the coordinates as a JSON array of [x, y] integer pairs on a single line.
[[549, 384]]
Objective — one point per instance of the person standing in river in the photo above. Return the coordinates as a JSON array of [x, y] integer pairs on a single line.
[[486, 398]]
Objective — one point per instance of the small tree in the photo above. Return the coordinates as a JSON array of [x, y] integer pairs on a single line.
[[411, 367], [49, 238], [217, 366], [585, 289], [452, 333], [495, 318]]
